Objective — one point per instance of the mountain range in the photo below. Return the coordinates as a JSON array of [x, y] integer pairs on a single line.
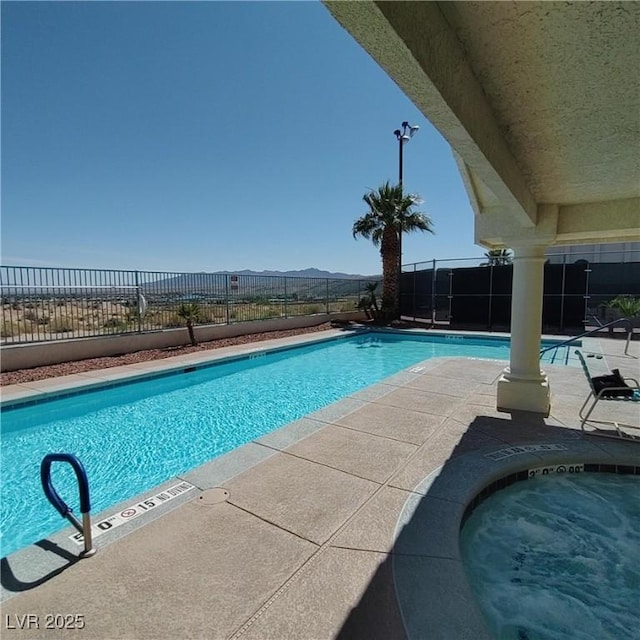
[[310, 282], [304, 282], [311, 272]]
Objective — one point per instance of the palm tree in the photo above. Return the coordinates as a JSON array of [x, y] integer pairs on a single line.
[[497, 258], [190, 313], [370, 288], [369, 303], [390, 212]]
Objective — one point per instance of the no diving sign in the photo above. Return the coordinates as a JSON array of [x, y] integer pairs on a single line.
[[135, 510]]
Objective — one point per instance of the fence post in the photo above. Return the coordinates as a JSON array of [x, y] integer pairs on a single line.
[[586, 295], [286, 309], [450, 296], [489, 319], [138, 301], [433, 294], [414, 290], [226, 296], [562, 291], [327, 296]]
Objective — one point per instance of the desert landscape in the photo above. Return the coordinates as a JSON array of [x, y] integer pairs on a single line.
[[29, 319]]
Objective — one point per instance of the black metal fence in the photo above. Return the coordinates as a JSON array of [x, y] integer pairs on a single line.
[[463, 294], [43, 304]]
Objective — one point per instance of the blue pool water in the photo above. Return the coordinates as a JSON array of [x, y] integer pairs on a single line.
[[134, 436], [558, 557]]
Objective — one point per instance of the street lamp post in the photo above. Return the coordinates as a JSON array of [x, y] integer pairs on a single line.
[[402, 136]]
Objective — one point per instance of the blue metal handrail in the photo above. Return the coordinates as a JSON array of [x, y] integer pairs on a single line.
[[588, 333], [59, 504]]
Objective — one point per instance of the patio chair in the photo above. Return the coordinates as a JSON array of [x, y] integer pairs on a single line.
[[612, 387]]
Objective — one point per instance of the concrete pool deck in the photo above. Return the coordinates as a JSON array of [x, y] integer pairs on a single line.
[[343, 524]]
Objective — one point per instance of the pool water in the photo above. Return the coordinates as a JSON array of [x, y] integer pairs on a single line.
[[134, 436], [558, 557]]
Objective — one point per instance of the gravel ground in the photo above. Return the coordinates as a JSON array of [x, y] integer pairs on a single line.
[[79, 366]]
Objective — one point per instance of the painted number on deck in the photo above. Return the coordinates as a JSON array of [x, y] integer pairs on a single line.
[[556, 469], [135, 510]]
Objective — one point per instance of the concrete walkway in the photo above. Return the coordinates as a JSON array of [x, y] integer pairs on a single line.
[[343, 524]]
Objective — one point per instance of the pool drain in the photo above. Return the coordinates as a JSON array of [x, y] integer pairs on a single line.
[[212, 496]]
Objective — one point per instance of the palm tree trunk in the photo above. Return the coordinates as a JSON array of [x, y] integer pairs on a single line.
[[192, 335], [390, 273]]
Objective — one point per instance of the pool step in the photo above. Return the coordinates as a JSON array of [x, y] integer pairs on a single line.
[[563, 355]]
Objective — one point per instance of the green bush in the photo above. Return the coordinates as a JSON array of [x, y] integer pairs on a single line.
[[629, 307]]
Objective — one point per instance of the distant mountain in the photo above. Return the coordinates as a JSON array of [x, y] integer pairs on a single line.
[[305, 282], [311, 272]]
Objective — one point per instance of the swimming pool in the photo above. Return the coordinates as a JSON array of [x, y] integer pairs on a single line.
[[558, 557], [133, 436]]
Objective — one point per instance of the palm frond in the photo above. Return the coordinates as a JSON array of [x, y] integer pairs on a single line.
[[416, 221]]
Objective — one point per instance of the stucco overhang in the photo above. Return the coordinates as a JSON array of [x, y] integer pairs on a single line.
[[540, 102]]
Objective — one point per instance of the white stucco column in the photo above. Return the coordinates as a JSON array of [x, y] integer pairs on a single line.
[[523, 385]]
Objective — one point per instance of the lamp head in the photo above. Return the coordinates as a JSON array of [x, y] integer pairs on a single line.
[[413, 129], [396, 133]]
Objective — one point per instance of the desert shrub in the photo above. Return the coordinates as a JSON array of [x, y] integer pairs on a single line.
[[205, 317], [309, 309], [22, 327], [132, 315], [337, 306], [115, 323], [62, 325], [31, 316], [212, 315], [172, 320], [154, 318], [9, 329]]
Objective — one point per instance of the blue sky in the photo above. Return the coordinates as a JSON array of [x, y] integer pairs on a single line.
[[206, 136]]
